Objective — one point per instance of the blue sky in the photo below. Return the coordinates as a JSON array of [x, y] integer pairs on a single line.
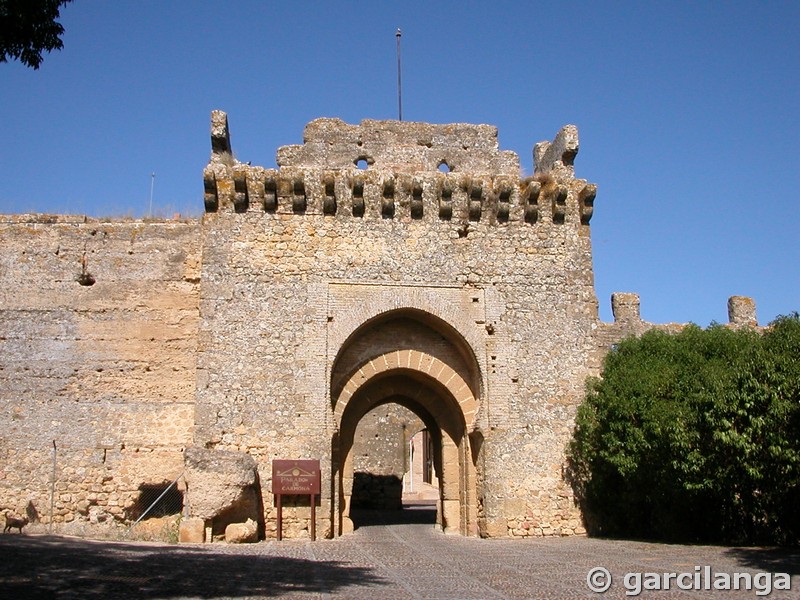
[[689, 116]]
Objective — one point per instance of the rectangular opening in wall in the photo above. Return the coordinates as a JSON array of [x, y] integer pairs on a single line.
[[475, 199], [503, 205], [270, 195], [560, 205], [446, 204], [358, 199], [329, 204], [299, 200], [240, 197], [156, 500], [387, 204], [416, 202]]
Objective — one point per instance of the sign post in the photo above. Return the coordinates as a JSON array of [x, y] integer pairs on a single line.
[[296, 478]]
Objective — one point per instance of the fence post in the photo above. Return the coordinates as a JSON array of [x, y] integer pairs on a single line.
[[53, 489]]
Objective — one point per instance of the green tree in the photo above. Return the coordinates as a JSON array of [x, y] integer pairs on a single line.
[[28, 28], [761, 426], [694, 436]]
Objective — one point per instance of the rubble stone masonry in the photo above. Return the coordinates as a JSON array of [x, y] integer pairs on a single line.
[[98, 333], [381, 263]]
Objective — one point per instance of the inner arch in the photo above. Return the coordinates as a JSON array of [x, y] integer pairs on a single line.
[[427, 371], [406, 338], [441, 415], [412, 358]]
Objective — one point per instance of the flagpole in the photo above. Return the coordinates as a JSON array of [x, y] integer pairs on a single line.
[[399, 83], [152, 184]]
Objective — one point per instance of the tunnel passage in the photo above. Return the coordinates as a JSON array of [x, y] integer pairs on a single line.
[[417, 361]]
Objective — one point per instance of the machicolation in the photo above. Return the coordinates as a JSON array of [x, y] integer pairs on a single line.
[[393, 169]]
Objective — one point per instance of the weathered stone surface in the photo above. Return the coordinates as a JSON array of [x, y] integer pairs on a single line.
[[381, 456], [625, 307], [106, 371], [384, 264], [192, 531], [742, 311], [161, 529], [559, 155], [217, 480], [242, 533], [400, 146]]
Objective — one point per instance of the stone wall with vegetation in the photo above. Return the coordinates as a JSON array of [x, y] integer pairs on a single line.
[[385, 263], [708, 417]]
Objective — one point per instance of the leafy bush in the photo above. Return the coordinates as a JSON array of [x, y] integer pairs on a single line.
[[694, 437]]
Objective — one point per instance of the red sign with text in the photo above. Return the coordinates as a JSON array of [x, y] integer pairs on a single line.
[[295, 477]]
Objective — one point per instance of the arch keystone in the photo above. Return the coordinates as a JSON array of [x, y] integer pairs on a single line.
[[404, 358], [392, 360]]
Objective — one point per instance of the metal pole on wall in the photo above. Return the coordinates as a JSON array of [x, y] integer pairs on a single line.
[[53, 488], [399, 86], [152, 185]]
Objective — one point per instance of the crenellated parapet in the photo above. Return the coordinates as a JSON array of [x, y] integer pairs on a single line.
[[628, 322], [403, 170], [626, 310]]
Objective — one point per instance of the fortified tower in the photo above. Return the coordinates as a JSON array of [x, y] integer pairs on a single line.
[[401, 263]]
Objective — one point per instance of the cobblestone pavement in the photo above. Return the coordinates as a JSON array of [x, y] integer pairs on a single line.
[[382, 559]]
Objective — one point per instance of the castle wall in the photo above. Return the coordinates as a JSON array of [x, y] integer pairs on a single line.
[[286, 280], [433, 278], [104, 367]]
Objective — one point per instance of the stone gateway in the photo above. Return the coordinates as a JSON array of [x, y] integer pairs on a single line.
[[389, 279]]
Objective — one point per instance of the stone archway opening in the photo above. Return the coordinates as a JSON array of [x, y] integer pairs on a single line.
[[421, 482], [411, 362], [390, 481], [392, 460]]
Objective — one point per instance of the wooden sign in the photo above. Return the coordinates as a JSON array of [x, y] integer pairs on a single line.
[[296, 477]]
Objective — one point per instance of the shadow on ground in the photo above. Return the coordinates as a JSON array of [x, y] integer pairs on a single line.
[[422, 512], [774, 560], [36, 567]]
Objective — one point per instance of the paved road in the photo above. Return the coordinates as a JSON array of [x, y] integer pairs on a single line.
[[382, 559]]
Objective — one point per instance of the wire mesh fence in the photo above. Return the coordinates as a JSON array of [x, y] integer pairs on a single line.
[[158, 510], [69, 491]]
